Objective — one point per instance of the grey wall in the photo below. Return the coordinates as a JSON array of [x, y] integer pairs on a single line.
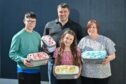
[[0, 34], [109, 13], [124, 60]]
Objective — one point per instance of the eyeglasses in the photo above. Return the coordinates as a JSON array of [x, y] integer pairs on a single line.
[[30, 21]]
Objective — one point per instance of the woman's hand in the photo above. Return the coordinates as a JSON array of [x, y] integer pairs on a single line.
[[106, 60], [109, 58]]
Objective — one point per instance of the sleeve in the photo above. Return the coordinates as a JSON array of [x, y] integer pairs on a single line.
[[110, 46], [46, 29], [79, 57], [81, 44], [14, 50], [79, 52], [55, 53], [39, 37]]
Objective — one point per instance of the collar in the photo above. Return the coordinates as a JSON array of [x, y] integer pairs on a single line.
[[69, 21]]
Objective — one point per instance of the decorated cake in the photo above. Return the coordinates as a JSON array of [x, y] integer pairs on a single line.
[[48, 42], [94, 56], [66, 71], [37, 59]]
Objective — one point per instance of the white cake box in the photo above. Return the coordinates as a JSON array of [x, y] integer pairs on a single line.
[[93, 56], [66, 72], [37, 59], [48, 42]]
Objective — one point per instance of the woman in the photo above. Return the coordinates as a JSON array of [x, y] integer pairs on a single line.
[[94, 73]]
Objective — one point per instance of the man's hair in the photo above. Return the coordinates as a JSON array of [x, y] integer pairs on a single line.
[[63, 5], [30, 15]]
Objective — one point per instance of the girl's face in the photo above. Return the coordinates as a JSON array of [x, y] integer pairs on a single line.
[[68, 40], [93, 29]]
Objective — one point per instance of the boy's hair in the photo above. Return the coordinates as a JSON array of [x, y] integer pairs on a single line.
[[63, 5], [73, 48], [30, 15]]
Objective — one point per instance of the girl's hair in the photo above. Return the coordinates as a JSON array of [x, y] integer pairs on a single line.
[[91, 22], [73, 47]]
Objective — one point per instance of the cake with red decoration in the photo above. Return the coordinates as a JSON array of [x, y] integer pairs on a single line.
[[37, 59], [48, 42]]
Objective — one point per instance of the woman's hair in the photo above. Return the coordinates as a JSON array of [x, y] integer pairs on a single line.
[[73, 47], [90, 23]]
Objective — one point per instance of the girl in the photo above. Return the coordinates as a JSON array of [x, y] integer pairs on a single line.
[[68, 54]]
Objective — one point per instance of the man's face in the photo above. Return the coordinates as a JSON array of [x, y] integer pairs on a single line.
[[30, 23], [63, 13]]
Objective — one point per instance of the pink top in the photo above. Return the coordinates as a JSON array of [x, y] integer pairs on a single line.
[[67, 57]]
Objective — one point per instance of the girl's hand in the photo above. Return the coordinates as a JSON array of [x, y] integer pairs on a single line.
[[80, 70], [54, 71], [78, 75]]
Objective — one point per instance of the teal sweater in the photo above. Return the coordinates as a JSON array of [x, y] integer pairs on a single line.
[[22, 44]]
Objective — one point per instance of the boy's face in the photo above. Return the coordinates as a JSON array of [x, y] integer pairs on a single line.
[[30, 23]]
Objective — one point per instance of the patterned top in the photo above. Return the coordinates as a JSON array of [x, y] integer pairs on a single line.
[[67, 58], [101, 43]]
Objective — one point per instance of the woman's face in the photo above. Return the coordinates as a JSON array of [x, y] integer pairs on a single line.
[[68, 40], [92, 30]]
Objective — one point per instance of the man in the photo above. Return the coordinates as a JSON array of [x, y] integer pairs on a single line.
[[23, 43], [56, 27]]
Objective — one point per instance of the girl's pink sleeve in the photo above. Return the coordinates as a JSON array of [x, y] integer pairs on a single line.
[[79, 52], [55, 53]]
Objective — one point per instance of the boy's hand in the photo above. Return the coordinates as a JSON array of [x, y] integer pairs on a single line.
[[27, 63]]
